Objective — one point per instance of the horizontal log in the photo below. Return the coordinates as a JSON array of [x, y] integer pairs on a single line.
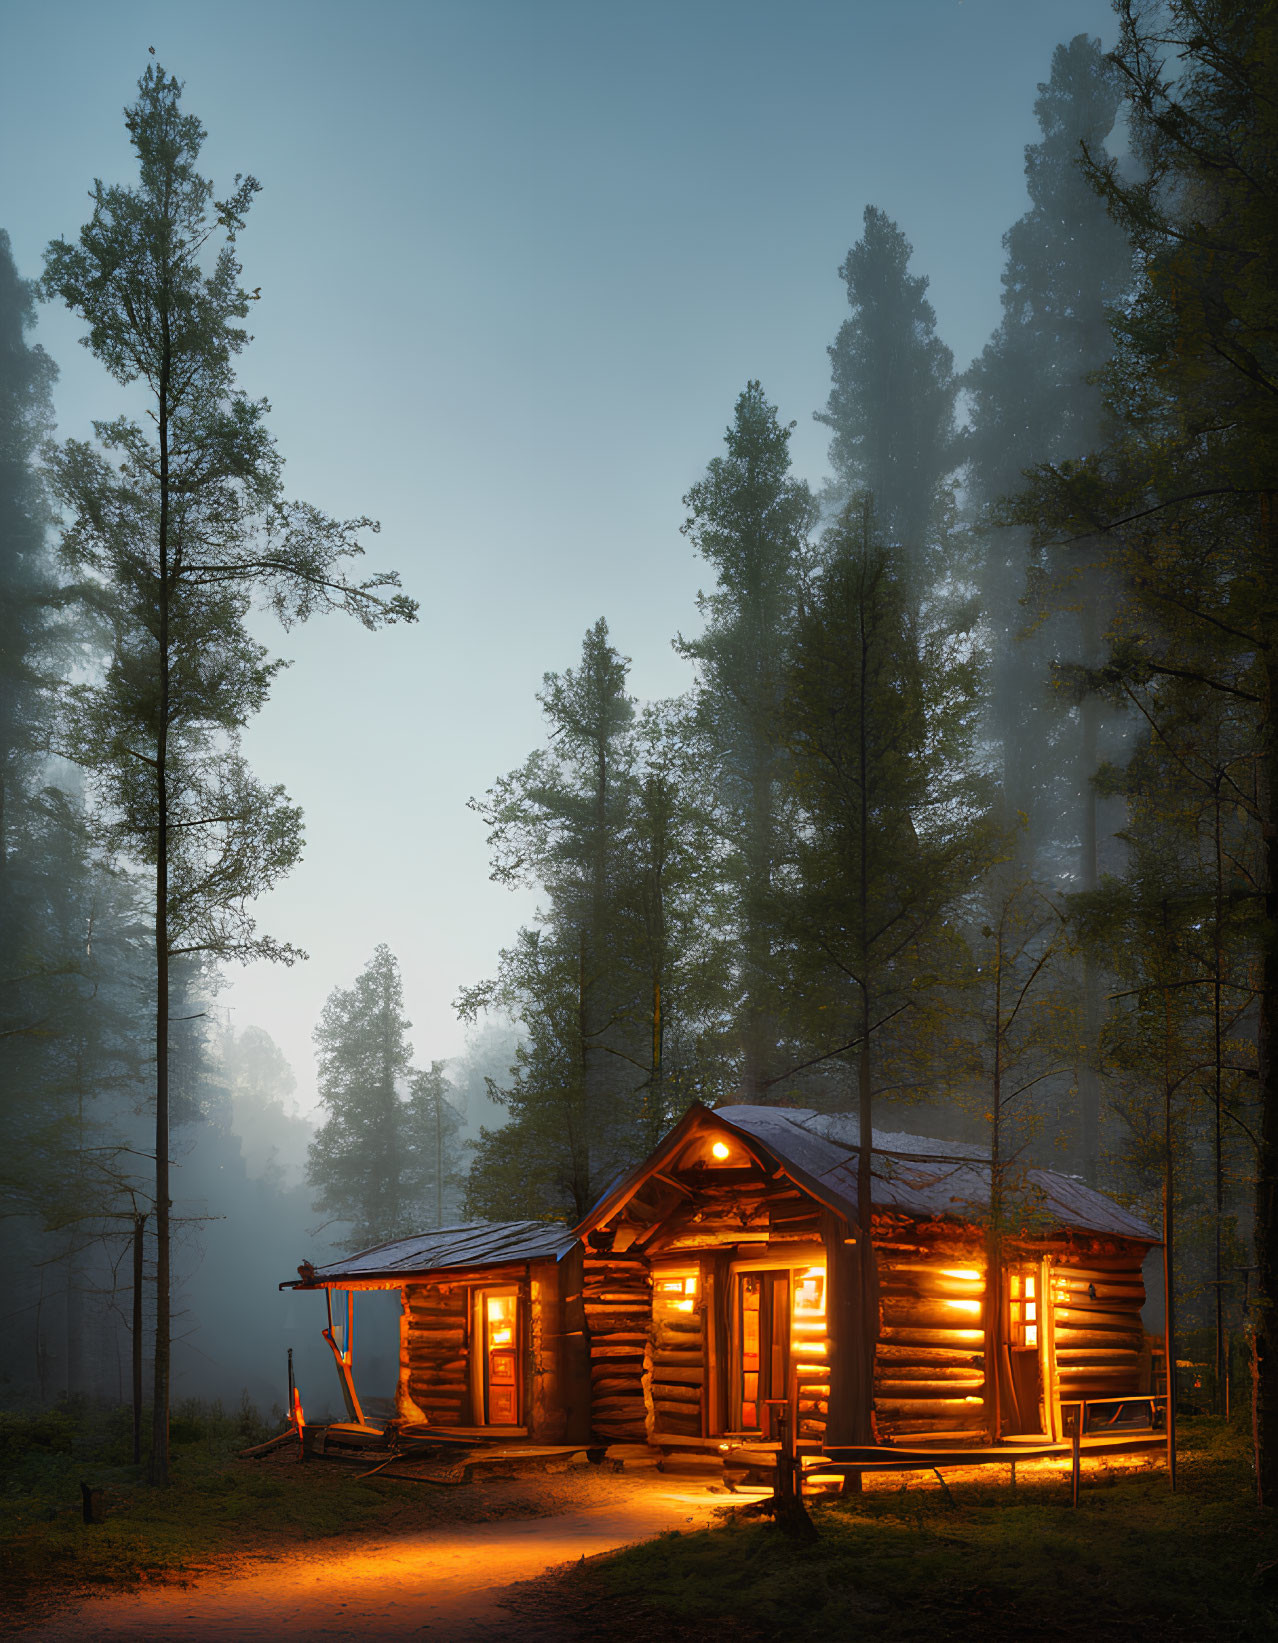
[[631, 1366], [614, 1383], [931, 1283], [933, 1312], [1094, 1317], [1105, 1290], [615, 1349], [1099, 1272], [685, 1341], [677, 1375], [952, 1373], [935, 1428], [1098, 1371], [889, 1392], [915, 1408], [1070, 1340], [912, 1352], [663, 1393], [962, 1342], [618, 1408], [437, 1340], [677, 1419], [631, 1340], [1099, 1354], [604, 1324], [692, 1359]]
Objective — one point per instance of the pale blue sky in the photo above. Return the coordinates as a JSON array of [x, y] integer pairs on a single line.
[[517, 261]]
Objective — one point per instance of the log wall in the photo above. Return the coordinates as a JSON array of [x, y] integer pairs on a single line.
[[929, 1375], [435, 1353], [617, 1296], [676, 1380], [1096, 1302]]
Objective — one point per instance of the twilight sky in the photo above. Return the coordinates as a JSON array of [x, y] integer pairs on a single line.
[[517, 259]]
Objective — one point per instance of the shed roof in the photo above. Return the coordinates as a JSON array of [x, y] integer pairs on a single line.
[[476, 1244], [912, 1174]]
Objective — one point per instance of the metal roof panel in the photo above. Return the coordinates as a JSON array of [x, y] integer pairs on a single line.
[[918, 1176], [476, 1244]]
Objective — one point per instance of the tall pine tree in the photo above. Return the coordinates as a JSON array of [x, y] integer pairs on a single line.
[[750, 518], [174, 525]]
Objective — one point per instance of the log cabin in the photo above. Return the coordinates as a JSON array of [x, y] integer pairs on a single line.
[[717, 1287]]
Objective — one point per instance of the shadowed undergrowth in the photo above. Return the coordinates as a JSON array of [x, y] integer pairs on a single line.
[[989, 1562]]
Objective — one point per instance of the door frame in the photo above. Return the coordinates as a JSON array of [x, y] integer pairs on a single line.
[[479, 1376]]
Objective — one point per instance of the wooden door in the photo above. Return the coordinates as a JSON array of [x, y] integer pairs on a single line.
[[499, 1337], [1024, 1347], [762, 1349]]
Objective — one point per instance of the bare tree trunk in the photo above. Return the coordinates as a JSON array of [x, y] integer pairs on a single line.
[[139, 1233], [1089, 877], [1266, 1228], [162, 1363], [1169, 1232]]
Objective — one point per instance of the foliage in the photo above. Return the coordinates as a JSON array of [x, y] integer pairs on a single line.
[[750, 518], [891, 404], [1035, 398], [1183, 490], [979, 1561], [171, 531], [878, 720], [364, 1162]]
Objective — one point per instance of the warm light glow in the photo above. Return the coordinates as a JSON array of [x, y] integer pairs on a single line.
[[809, 1294], [968, 1274], [965, 1306], [813, 1349], [720, 1149], [501, 1337], [1031, 1334], [676, 1291]]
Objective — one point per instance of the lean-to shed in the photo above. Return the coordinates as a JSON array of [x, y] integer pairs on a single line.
[[491, 1326]]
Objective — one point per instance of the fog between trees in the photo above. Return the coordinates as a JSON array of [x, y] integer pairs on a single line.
[[962, 825]]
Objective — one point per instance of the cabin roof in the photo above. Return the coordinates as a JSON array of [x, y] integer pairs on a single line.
[[476, 1244], [912, 1174]]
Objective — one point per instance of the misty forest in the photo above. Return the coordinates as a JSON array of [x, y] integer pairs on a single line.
[[966, 823]]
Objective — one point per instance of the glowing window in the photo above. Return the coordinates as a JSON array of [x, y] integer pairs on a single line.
[[675, 1292], [807, 1314], [1022, 1301]]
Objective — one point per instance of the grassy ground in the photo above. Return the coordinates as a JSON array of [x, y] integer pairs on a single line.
[[984, 1561], [221, 1513], [980, 1561], [215, 1507]]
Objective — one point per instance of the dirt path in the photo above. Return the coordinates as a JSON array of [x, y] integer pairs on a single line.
[[434, 1584]]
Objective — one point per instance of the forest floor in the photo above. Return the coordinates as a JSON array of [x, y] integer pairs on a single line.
[[244, 1549], [972, 1561]]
